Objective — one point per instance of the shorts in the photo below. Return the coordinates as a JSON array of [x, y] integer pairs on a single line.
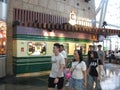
[[77, 84], [51, 83]]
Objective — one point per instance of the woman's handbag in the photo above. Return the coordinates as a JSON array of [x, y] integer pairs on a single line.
[[68, 72]]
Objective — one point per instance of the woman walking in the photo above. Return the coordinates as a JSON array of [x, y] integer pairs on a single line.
[[93, 74], [78, 79]]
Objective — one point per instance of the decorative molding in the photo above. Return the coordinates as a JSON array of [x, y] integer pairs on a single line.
[[53, 22]]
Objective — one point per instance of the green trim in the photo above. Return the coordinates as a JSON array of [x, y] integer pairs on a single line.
[[32, 64], [31, 57], [46, 38]]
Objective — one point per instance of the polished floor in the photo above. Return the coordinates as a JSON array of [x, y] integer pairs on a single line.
[[111, 82]]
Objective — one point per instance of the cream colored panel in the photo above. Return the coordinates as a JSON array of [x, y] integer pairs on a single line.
[[71, 48], [21, 48]]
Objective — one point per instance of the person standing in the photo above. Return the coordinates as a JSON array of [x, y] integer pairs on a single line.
[[78, 69], [91, 49], [81, 49], [63, 52], [56, 77], [93, 74], [101, 54]]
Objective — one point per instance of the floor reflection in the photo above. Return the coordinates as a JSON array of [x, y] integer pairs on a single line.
[[112, 80]]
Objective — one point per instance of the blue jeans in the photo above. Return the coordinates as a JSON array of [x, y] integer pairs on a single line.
[[91, 80], [77, 84]]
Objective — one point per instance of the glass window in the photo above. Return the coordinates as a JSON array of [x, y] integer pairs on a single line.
[[36, 48], [66, 46], [6, 1], [81, 47]]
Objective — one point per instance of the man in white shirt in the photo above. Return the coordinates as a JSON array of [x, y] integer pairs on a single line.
[[56, 76], [63, 52]]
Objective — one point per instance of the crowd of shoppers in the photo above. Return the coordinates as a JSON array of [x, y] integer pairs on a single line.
[[84, 75]]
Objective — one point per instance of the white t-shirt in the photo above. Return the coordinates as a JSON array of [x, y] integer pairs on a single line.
[[56, 62], [78, 71], [64, 53]]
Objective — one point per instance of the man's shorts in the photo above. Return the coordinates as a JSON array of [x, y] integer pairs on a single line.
[[51, 83]]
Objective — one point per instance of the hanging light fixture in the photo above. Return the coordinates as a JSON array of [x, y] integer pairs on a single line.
[[73, 18]]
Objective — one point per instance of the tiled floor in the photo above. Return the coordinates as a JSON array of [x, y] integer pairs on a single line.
[[111, 82]]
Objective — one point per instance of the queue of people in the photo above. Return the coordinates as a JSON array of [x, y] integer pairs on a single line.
[[83, 75]]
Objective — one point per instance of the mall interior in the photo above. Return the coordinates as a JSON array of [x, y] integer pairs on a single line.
[[29, 28]]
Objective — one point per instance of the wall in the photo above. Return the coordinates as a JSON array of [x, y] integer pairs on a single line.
[[23, 62], [21, 47], [55, 7], [28, 42]]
